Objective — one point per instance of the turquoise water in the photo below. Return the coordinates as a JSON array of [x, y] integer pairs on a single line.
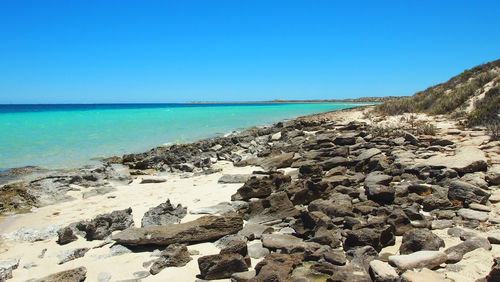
[[65, 136]]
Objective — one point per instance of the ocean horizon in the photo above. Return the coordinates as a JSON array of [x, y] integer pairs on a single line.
[[60, 136]]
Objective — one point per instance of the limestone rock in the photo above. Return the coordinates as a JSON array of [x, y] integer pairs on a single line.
[[71, 254], [174, 255], [65, 236], [207, 228], [73, 275], [382, 271], [421, 259], [163, 215]]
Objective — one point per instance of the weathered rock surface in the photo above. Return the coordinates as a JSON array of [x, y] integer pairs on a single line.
[[31, 234], [73, 275], [421, 259], [382, 271], [221, 266], [65, 236], [418, 240], [207, 228], [234, 178], [466, 193], [103, 225], [473, 215], [163, 214], [174, 255], [260, 187], [71, 254], [456, 253]]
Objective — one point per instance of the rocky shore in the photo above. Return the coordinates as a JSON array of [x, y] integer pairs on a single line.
[[328, 197]]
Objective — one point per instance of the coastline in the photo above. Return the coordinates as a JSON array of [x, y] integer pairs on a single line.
[[197, 187]]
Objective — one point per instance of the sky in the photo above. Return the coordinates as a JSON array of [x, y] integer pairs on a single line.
[[175, 51]]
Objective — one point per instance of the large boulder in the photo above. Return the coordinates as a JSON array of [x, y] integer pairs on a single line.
[[163, 214], [420, 239], [203, 229]]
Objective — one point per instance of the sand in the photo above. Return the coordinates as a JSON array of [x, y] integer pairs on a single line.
[[193, 192]]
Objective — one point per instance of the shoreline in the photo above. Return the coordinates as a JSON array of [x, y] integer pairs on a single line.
[[333, 153]]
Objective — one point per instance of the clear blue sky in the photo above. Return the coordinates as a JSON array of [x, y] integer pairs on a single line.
[[175, 51]]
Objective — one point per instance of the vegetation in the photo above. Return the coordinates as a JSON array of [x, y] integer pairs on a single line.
[[450, 97]]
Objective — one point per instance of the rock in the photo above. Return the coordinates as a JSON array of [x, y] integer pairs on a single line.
[[234, 178], [420, 239], [152, 180], [207, 228], [345, 139], [6, 268], [349, 273], [103, 277], [163, 215], [382, 271], [141, 274], [117, 250], [421, 259], [243, 276], [276, 136], [466, 193], [378, 177], [229, 241], [257, 251], [276, 206], [31, 234], [103, 225], [380, 193], [433, 201], [494, 238], [280, 161], [174, 255], [277, 267], [479, 207], [467, 159], [72, 254], [338, 205], [400, 221], [335, 257], [73, 275], [368, 237], [410, 138], [473, 215], [65, 236], [456, 253], [260, 187], [221, 209], [494, 274], [361, 257], [441, 224], [16, 198], [255, 231], [286, 243], [221, 266], [367, 154]]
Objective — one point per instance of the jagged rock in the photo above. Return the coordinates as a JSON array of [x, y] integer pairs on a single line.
[[280, 161], [277, 267], [382, 271], [257, 251], [260, 187], [276, 206], [103, 225], [221, 266], [456, 253], [229, 241], [234, 178], [72, 254], [466, 193], [117, 250], [433, 201], [421, 259], [73, 275], [152, 180], [174, 255], [369, 237], [163, 215], [65, 236], [420, 239], [15, 198], [32, 234], [473, 215], [203, 229], [6, 268]]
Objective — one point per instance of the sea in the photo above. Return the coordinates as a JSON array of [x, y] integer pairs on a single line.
[[74, 135]]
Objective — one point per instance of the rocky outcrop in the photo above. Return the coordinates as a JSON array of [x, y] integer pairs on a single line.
[[163, 214], [73, 275], [207, 228], [103, 225]]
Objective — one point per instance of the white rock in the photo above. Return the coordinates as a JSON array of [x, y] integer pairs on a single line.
[[32, 234], [276, 136], [421, 259], [382, 271]]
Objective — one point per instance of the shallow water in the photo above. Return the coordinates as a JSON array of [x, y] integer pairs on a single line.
[[65, 136]]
